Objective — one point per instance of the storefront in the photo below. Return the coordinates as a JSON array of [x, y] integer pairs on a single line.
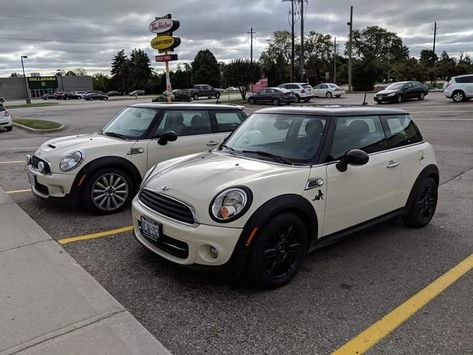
[[42, 85]]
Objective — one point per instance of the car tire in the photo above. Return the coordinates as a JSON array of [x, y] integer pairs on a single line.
[[458, 96], [107, 191], [399, 99], [251, 101], [195, 96], [423, 205], [275, 102], [278, 251], [217, 95], [421, 96], [298, 98], [328, 95], [307, 100], [9, 128]]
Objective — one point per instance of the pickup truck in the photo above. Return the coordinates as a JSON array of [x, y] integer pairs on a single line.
[[202, 90]]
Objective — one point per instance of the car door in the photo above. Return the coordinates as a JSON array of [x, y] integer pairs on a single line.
[[259, 96], [316, 90], [469, 86], [267, 96], [362, 192], [194, 133]]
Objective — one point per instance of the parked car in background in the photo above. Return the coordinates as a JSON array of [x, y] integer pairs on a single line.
[[53, 96], [302, 91], [202, 90], [137, 93], [286, 182], [401, 91], [460, 88], [5, 117], [103, 171], [328, 90], [275, 96], [71, 96], [95, 96], [231, 89], [114, 93]]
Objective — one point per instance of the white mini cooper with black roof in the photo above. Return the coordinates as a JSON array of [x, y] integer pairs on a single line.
[[287, 181]]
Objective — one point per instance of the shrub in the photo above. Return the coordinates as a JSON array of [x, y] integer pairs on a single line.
[[178, 97], [364, 75]]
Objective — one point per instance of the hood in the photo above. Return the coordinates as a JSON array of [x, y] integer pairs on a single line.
[[385, 92], [198, 179]]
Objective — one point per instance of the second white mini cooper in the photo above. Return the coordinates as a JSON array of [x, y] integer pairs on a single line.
[[286, 182]]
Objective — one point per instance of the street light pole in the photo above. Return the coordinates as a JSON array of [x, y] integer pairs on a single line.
[[62, 80], [27, 92]]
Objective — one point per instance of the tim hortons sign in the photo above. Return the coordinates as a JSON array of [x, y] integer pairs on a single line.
[[163, 25]]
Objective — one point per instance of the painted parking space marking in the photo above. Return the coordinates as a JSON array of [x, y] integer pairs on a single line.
[[95, 235], [17, 191], [13, 162], [383, 327]]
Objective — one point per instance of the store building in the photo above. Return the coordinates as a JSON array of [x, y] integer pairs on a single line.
[[14, 88]]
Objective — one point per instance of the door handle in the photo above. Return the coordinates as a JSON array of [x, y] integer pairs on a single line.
[[211, 143], [392, 164]]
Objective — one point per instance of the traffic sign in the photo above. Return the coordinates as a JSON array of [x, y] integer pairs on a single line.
[[166, 58]]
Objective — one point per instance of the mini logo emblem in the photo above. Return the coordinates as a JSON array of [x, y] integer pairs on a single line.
[[164, 188]]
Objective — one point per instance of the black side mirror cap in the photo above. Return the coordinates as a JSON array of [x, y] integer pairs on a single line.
[[169, 136], [352, 157]]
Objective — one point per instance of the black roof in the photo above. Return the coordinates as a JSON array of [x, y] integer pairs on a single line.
[[186, 106], [334, 110]]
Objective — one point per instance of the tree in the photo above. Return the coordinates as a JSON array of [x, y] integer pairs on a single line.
[[242, 73], [140, 69], [101, 82], [318, 52], [365, 73], [14, 75], [120, 71], [205, 69], [445, 66], [428, 57], [410, 69], [275, 61]]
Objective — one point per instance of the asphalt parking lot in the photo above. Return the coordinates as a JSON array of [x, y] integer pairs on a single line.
[[340, 291]]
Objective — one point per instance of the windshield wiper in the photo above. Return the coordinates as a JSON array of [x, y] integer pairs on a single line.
[[226, 146], [114, 134], [269, 155]]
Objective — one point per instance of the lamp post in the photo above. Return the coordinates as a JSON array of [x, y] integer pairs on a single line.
[[27, 92], [59, 73]]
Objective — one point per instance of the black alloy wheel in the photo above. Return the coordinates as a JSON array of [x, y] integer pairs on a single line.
[[195, 96], [251, 101], [424, 204], [421, 96], [279, 251], [275, 102]]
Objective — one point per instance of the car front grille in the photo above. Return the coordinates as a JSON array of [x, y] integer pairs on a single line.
[[35, 161], [167, 206], [171, 246]]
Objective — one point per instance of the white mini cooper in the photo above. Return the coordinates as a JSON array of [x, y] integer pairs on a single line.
[[103, 170], [286, 182]]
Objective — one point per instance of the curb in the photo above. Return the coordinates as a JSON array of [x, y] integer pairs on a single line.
[[61, 127]]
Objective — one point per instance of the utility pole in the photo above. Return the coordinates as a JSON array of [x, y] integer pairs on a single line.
[[251, 44], [335, 60], [302, 40], [435, 37], [293, 73], [27, 91], [350, 48]]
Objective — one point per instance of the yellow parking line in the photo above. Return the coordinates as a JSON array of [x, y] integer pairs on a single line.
[[17, 191], [372, 335], [95, 235], [13, 162]]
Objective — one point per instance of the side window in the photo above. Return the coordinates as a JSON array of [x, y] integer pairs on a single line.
[[318, 86], [400, 130], [227, 121], [462, 80], [323, 86], [363, 132], [469, 79], [185, 123], [293, 87]]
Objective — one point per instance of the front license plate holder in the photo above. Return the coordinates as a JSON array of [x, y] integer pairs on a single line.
[[151, 229]]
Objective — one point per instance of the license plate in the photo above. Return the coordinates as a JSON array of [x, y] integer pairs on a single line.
[[151, 230], [31, 178]]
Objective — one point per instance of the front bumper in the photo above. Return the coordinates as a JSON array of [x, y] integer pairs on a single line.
[[49, 185], [197, 239], [385, 98], [5, 123], [448, 94]]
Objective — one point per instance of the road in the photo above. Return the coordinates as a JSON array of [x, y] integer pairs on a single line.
[[340, 291]]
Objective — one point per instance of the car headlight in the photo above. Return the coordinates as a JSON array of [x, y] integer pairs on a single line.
[[392, 94], [71, 160], [230, 204]]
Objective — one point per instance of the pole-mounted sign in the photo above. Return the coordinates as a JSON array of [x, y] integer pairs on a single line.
[[165, 42]]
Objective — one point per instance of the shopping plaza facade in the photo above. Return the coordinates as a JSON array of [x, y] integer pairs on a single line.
[[16, 88]]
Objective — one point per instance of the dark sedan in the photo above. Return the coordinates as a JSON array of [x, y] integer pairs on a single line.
[[401, 91], [275, 96], [95, 96], [71, 96]]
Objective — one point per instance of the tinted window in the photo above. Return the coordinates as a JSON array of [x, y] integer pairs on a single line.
[[227, 121], [2, 108], [464, 80], [292, 87], [400, 130], [317, 86], [324, 86], [364, 132], [395, 86], [185, 123]]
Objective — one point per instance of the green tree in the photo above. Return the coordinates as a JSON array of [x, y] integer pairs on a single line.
[[275, 61], [365, 73], [318, 53], [14, 75], [121, 72], [410, 69], [428, 57], [101, 82], [445, 66], [140, 69], [242, 73], [205, 69]]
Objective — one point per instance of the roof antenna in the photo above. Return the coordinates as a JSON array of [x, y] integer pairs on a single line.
[[364, 100]]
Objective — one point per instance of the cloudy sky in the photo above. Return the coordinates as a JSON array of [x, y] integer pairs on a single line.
[[62, 34]]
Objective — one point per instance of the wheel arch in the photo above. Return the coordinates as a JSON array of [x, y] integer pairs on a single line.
[[431, 171]]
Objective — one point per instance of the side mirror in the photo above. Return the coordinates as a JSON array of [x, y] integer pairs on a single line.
[[169, 136], [352, 157]]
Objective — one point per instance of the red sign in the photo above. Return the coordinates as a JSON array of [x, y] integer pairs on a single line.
[[261, 84], [166, 58]]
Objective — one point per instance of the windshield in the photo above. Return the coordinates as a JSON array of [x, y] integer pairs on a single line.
[[288, 138], [395, 86], [132, 122]]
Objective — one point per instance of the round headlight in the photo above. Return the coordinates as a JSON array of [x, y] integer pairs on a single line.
[[71, 160], [230, 204]]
